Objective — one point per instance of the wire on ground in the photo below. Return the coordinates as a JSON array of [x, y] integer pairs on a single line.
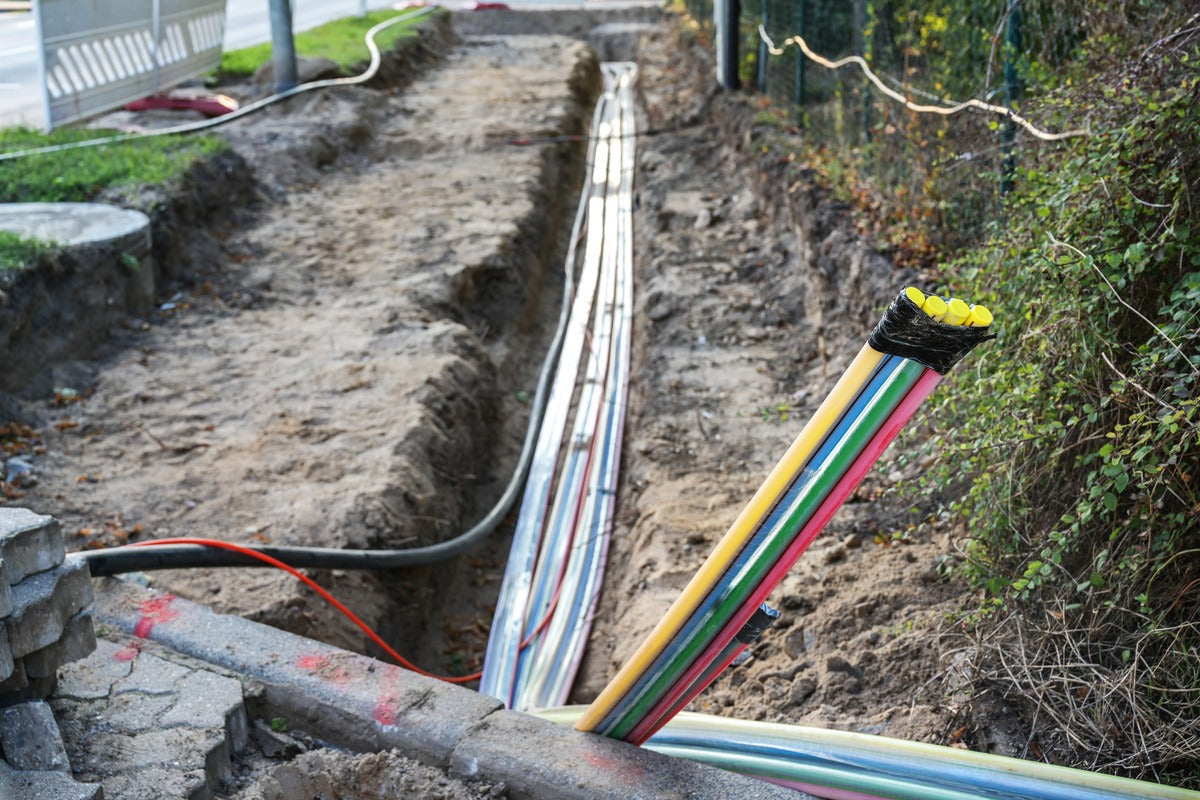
[[193, 127]]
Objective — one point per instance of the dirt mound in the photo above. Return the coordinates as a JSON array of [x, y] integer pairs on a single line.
[[327, 773]]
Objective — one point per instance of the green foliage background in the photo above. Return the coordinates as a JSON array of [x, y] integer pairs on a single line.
[[1076, 463]]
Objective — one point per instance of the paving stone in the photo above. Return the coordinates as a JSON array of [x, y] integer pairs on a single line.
[[77, 641], [30, 739], [145, 723], [157, 783], [107, 752], [44, 603], [134, 712], [94, 676], [153, 675], [47, 785], [205, 701], [29, 543]]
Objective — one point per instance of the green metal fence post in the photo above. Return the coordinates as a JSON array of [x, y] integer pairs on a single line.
[[798, 30], [1012, 93], [860, 48], [763, 53]]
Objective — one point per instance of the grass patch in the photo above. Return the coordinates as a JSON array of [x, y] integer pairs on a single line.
[[79, 175], [342, 41], [18, 252]]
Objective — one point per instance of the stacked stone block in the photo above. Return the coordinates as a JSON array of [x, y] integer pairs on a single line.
[[45, 619], [45, 622]]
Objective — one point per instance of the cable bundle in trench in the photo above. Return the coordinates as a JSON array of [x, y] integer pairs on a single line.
[[552, 579], [843, 765], [917, 341]]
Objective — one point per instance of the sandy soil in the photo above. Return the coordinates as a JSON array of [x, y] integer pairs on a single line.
[[328, 774], [339, 381], [348, 376]]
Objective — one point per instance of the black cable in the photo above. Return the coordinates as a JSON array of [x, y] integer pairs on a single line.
[[116, 560]]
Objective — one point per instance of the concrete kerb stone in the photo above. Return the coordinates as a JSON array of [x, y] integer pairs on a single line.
[[357, 702], [77, 641], [45, 785], [6, 660], [6, 601]]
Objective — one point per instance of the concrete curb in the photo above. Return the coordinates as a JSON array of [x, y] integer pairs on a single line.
[[363, 704]]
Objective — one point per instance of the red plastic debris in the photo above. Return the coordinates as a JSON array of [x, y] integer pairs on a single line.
[[210, 105]]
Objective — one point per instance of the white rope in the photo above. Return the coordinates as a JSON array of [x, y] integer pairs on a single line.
[[1008, 113]]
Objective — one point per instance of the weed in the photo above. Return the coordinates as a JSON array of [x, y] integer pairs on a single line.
[[81, 174], [18, 252], [341, 41]]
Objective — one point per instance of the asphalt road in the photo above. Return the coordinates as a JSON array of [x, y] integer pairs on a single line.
[[246, 23]]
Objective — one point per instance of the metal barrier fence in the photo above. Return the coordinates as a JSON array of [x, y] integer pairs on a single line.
[[99, 54], [929, 50]]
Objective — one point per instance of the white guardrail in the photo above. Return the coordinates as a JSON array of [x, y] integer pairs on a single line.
[[100, 54]]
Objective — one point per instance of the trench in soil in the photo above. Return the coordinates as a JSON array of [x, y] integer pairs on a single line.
[[348, 364]]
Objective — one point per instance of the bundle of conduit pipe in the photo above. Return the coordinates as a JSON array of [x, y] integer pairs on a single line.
[[918, 340], [556, 561], [843, 765]]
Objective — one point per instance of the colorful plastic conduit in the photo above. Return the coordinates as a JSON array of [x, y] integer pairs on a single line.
[[916, 342], [842, 765]]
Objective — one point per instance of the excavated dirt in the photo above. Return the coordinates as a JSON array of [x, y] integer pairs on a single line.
[[329, 774], [338, 380], [350, 372]]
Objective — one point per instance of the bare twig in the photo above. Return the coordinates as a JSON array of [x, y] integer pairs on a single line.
[[1092, 262]]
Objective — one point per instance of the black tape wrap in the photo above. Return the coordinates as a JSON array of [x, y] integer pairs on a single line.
[[907, 331], [758, 622]]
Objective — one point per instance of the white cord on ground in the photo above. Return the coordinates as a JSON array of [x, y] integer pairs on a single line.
[[798, 41], [192, 127]]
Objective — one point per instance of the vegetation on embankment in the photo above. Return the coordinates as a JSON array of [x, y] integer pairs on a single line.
[[80, 174], [1077, 433], [19, 252], [1069, 446], [341, 41], [1068, 450]]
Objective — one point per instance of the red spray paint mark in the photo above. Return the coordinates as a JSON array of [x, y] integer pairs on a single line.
[[155, 610], [323, 667], [129, 652], [312, 663], [385, 710], [630, 775]]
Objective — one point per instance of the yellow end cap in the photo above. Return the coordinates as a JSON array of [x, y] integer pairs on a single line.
[[979, 317], [916, 295], [956, 312], [934, 306]]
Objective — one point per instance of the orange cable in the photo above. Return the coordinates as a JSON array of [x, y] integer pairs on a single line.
[[274, 562]]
